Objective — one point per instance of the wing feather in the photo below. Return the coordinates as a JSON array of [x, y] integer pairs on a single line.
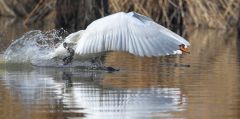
[[129, 32]]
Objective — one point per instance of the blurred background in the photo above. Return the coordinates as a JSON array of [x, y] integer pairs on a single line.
[[20, 16], [73, 15], [203, 84]]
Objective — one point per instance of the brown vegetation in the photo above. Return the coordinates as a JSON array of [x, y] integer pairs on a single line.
[[40, 11], [75, 14], [200, 13], [19, 8], [171, 13]]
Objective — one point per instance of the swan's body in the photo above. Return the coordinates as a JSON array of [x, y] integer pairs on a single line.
[[130, 32]]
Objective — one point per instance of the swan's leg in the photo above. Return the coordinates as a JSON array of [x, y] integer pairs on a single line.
[[97, 63], [68, 59]]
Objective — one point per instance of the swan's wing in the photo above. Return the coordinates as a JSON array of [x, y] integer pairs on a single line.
[[129, 32]]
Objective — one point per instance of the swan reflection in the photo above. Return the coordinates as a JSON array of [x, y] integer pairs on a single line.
[[82, 92]]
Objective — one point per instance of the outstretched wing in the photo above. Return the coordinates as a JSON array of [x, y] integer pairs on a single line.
[[130, 32]]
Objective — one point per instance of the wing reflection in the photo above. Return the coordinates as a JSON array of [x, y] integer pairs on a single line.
[[132, 103], [81, 92]]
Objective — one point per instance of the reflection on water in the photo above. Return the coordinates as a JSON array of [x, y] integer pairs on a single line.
[[71, 91], [202, 85]]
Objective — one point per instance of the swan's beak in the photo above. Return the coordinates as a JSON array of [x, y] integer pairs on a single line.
[[183, 49]]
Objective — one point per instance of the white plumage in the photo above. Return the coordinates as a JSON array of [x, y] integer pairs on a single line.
[[130, 32]]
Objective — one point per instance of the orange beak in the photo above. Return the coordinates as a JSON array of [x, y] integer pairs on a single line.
[[183, 49]]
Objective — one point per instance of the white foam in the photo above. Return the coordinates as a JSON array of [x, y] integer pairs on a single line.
[[33, 45]]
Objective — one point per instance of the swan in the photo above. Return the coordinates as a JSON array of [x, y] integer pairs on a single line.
[[129, 32]]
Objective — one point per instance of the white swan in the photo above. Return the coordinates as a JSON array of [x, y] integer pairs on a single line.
[[130, 32]]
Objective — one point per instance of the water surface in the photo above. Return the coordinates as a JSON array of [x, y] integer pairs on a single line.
[[202, 85]]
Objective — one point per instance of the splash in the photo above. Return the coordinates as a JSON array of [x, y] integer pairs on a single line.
[[32, 46]]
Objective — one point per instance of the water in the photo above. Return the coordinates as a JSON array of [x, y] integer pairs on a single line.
[[202, 85]]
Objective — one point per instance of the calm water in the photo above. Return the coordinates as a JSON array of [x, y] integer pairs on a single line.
[[202, 85]]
